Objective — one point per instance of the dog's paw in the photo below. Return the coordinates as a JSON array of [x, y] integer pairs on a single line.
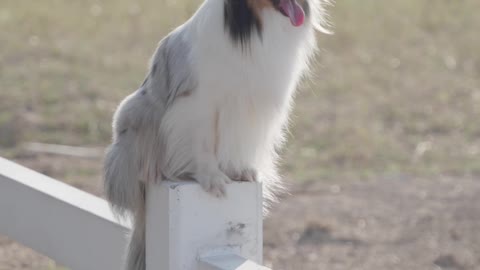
[[246, 175], [249, 175], [214, 182]]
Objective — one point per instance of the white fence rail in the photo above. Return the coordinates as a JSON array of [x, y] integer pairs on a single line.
[[186, 228], [70, 226]]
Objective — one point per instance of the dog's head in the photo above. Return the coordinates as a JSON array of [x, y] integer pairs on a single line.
[[244, 17]]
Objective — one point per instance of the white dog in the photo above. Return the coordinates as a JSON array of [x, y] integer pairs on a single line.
[[214, 105]]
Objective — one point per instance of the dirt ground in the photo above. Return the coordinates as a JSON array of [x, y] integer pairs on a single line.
[[390, 223]]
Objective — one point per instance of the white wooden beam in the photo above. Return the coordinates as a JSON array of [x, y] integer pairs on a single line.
[[70, 226], [228, 261], [188, 228]]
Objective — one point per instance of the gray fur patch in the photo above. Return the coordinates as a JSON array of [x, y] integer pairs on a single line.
[[170, 74], [135, 155]]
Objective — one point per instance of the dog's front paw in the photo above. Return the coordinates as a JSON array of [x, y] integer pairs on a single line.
[[246, 175], [214, 182]]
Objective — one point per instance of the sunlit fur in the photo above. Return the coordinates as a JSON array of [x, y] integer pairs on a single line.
[[209, 110]]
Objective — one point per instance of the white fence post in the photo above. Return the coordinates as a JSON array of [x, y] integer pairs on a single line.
[[188, 229]]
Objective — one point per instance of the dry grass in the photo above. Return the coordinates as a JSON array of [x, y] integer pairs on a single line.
[[396, 89]]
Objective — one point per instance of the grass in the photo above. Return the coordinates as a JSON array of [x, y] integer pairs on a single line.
[[396, 91]]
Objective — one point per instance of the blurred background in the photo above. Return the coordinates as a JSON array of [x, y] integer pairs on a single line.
[[383, 156]]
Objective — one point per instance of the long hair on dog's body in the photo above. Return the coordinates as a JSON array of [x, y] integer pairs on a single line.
[[214, 105]]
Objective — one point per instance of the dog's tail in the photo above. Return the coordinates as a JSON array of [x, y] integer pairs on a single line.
[[136, 248], [122, 186], [131, 161], [126, 193]]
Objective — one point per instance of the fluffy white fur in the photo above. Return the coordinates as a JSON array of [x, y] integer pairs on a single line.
[[209, 111], [250, 93]]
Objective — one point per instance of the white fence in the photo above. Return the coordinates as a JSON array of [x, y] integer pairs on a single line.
[[186, 228]]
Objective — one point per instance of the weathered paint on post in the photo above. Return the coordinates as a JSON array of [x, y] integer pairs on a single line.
[[188, 228]]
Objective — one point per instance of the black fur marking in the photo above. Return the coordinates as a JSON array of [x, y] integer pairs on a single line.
[[166, 58], [144, 82], [306, 8], [154, 69], [240, 21]]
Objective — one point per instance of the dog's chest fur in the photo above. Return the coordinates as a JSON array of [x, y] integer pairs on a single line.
[[244, 90]]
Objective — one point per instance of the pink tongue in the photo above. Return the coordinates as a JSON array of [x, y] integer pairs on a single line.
[[294, 11]]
